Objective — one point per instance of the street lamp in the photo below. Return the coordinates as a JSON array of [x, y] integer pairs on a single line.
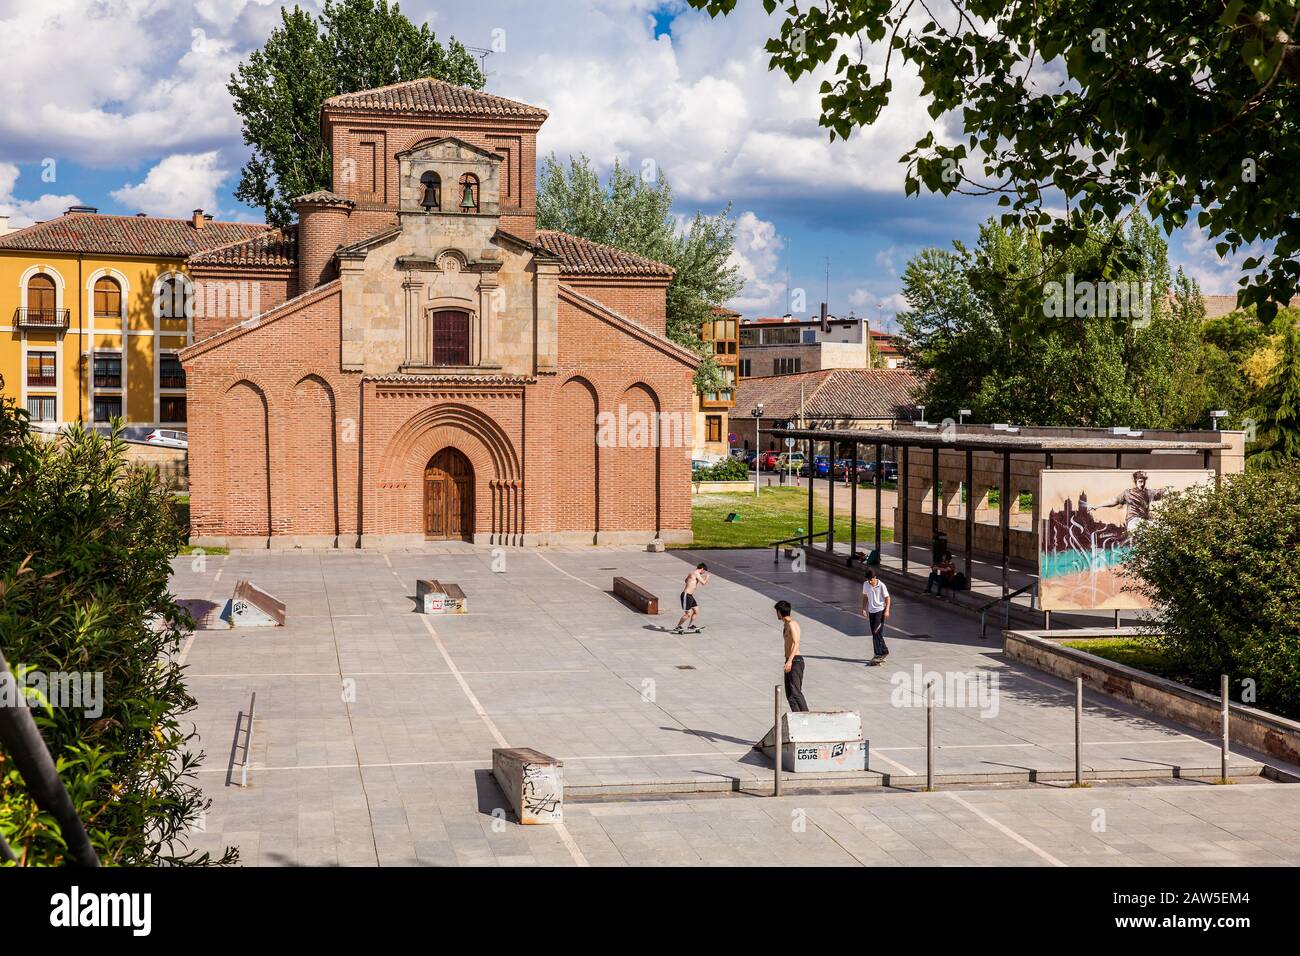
[[961, 415], [921, 409], [757, 412], [1215, 416]]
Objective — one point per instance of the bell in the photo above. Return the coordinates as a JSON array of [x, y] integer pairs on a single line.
[[467, 198]]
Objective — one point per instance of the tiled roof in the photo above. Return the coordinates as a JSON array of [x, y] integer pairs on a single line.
[[128, 235], [430, 95], [836, 393], [586, 258], [273, 248], [322, 197]]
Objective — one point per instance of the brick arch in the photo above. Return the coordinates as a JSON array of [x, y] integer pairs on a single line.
[[498, 485], [246, 460], [311, 456], [634, 465], [577, 457]]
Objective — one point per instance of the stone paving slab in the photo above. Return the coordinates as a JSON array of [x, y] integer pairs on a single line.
[[374, 729]]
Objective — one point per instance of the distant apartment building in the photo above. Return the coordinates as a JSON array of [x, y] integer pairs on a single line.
[[713, 408], [887, 353], [786, 345]]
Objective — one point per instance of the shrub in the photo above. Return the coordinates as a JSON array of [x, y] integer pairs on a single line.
[[1221, 569], [85, 548], [729, 469]]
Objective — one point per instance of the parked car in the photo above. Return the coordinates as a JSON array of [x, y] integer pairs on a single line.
[[767, 461], [889, 469], [844, 467], [750, 456], [169, 437], [791, 462]]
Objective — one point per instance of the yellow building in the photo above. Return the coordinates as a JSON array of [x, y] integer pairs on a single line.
[[94, 308], [713, 409]]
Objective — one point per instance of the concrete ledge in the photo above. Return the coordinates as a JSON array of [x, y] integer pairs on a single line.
[[761, 782], [291, 542], [532, 782], [1247, 726]]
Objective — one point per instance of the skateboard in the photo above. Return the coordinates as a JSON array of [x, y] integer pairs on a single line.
[[687, 630]]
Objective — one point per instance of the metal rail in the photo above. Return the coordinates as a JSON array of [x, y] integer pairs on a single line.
[[247, 747], [776, 545], [1006, 600]]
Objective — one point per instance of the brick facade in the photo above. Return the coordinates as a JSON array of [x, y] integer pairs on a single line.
[[313, 423]]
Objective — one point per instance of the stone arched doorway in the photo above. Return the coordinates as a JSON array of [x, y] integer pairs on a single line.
[[449, 496]]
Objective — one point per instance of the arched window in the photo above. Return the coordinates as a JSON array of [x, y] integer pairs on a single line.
[[468, 193], [450, 337], [173, 297], [41, 298], [432, 198], [108, 299]]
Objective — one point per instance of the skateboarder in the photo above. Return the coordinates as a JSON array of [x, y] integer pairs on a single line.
[[793, 660], [690, 607], [875, 608]]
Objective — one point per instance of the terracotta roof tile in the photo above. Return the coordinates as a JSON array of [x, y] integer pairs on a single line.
[[128, 235], [431, 95], [322, 197], [275, 247], [836, 393], [584, 257]]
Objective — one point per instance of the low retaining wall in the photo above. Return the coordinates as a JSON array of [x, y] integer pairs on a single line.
[[720, 487], [1247, 727]]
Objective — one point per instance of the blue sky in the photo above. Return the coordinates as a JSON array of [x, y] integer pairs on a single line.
[[643, 81]]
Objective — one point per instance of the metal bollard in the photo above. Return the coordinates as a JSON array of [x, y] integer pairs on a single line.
[[1078, 731], [930, 735], [777, 743], [1223, 698]]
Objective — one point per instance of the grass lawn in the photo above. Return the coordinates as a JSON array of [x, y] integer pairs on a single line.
[[775, 514], [1133, 652], [1121, 650]]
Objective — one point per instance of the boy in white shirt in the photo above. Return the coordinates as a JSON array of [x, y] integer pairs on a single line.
[[875, 608]]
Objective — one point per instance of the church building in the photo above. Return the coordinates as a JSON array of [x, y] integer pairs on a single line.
[[425, 363]]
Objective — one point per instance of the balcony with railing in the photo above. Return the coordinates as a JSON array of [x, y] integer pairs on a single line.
[[41, 318]]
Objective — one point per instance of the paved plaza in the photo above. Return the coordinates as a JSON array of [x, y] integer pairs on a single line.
[[374, 725]]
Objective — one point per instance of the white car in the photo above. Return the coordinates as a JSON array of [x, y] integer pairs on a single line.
[[168, 437]]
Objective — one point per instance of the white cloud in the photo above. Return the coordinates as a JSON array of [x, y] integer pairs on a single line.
[[1217, 275], [758, 256], [177, 185], [24, 212]]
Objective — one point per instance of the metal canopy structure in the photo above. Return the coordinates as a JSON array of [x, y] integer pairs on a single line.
[[1004, 443]]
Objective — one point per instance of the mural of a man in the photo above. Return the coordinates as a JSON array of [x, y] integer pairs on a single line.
[[1135, 501]]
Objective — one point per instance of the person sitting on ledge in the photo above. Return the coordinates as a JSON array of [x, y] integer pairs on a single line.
[[942, 573]]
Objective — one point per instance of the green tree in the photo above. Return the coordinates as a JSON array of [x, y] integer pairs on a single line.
[[635, 215], [1217, 567], [353, 45], [978, 350], [1277, 411], [1186, 108], [85, 548]]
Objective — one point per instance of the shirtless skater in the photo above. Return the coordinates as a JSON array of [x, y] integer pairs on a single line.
[[793, 659], [690, 607]]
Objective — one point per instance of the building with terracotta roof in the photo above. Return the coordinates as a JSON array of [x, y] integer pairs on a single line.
[[428, 364], [94, 310], [828, 398]]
